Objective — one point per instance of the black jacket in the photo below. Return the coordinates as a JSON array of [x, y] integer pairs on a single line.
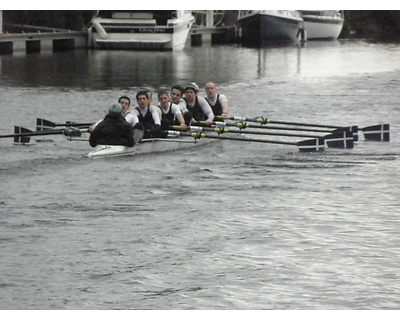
[[113, 130]]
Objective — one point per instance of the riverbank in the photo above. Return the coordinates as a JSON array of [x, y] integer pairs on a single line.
[[359, 24], [371, 24]]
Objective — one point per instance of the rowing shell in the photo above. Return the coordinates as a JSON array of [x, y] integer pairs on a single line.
[[146, 146]]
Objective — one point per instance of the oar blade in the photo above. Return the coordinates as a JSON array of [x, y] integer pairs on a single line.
[[43, 124], [21, 139], [379, 132], [311, 145], [354, 129], [340, 139]]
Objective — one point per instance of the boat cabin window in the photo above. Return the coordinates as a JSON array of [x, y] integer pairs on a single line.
[[132, 15], [161, 16]]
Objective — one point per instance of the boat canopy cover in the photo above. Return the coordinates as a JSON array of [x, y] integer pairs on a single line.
[[137, 14]]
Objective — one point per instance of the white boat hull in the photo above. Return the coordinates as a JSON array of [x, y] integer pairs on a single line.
[[146, 146], [323, 27], [140, 34]]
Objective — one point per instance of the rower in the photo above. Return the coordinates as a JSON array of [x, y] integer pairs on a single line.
[[131, 118], [112, 130], [198, 107], [177, 92], [218, 102], [147, 114], [170, 113]]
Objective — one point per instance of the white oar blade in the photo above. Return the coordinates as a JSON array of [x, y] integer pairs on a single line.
[[379, 132]]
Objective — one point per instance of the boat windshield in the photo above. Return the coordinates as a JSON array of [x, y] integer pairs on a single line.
[[137, 14], [323, 13]]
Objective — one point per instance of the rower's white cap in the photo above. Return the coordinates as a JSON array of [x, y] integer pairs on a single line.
[[192, 86], [115, 108]]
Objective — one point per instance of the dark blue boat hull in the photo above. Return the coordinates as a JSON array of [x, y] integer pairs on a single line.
[[268, 29]]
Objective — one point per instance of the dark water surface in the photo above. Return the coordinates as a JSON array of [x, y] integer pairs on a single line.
[[229, 225]]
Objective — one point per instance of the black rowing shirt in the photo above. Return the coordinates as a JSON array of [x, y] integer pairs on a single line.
[[196, 110], [217, 107], [147, 118], [169, 115]]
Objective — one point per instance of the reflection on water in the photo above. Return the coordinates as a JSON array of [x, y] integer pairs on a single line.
[[107, 69], [138, 68], [97, 68], [279, 61], [222, 64]]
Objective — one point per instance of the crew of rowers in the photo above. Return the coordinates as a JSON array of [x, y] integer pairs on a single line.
[[181, 106]]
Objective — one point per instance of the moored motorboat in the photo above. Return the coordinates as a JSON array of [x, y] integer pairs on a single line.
[[322, 24], [140, 29], [270, 27]]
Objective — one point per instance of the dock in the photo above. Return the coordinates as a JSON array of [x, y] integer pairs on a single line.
[[41, 41], [30, 39], [31, 42], [213, 35]]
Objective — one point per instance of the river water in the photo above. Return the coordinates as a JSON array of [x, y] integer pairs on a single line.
[[228, 225]]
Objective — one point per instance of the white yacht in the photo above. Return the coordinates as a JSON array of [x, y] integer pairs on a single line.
[[140, 29], [322, 24]]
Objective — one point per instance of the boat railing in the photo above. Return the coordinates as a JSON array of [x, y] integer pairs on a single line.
[[334, 14], [283, 13], [202, 17]]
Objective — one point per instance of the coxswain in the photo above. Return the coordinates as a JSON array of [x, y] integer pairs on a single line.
[[130, 117], [112, 130]]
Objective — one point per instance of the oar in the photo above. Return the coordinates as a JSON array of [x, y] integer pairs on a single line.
[[220, 130], [22, 135], [263, 120], [379, 132], [43, 124], [337, 139], [341, 138], [304, 146], [244, 125]]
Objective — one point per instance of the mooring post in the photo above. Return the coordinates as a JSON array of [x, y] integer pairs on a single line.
[[210, 19]]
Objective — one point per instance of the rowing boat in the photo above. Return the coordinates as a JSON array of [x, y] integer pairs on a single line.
[[172, 142], [340, 137]]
